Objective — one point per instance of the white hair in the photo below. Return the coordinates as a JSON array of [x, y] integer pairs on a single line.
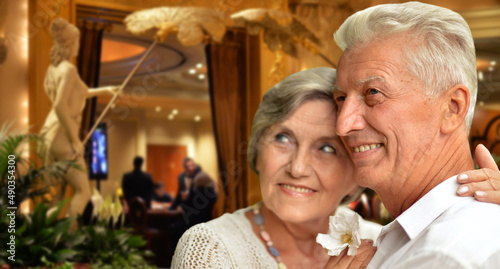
[[443, 55]]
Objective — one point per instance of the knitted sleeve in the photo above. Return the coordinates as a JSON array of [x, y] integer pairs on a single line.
[[200, 247]]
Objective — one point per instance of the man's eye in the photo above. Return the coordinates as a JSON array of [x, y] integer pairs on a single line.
[[328, 149], [372, 91], [282, 138]]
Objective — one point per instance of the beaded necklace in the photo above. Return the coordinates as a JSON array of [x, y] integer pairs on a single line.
[[258, 219]]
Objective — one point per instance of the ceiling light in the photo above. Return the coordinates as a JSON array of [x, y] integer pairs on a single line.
[[480, 75], [491, 68], [25, 104], [192, 71], [158, 108], [493, 63], [199, 65], [201, 76], [175, 111], [170, 117], [197, 118], [481, 103]]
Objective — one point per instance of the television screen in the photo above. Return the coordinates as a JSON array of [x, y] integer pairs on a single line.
[[98, 153]]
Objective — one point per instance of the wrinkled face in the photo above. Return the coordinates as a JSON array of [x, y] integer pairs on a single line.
[[303, 167], [385, 120], [190, 167]]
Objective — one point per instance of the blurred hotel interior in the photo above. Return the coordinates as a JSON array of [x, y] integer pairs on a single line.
[[193, 101]]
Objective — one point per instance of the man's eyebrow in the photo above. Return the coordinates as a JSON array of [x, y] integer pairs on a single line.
[[363, 81], [337, 88]]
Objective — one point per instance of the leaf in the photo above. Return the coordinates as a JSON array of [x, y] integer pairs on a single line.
[[136, 241], [64, 254], [38, 216], [54, 214], [39, 250]]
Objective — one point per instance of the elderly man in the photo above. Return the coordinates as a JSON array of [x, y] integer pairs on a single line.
[[406, 90]]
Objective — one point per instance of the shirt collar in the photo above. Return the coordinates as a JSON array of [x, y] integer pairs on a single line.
[[423, 212]]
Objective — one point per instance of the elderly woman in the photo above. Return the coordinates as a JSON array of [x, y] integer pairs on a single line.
[[67, 93], [305, 173]]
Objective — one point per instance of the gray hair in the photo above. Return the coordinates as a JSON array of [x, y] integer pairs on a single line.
[[446, 56], [280, 101], [64, 35]]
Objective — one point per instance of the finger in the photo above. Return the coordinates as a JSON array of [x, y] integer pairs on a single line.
[[471, 188], [367, 254], [478, 175], [484, 158], [334, 261], [488, 196]]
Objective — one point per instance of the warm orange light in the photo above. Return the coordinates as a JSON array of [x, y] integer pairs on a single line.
[[116, 50]]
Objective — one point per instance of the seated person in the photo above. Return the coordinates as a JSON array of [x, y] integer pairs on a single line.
[[197, 207], [161, 199]]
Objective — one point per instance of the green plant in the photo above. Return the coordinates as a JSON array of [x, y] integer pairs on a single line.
[[42, 240], [37, 177], [16, 187], [112, 248]]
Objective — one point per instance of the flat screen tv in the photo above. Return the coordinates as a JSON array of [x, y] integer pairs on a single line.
[[97, 154]]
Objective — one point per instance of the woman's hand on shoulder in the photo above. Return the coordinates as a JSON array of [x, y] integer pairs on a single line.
[[361, 260], [484, 183]]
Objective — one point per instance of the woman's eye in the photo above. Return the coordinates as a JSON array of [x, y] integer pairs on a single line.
[[328, 149], [372, 91], [282, 138], [340, 99]]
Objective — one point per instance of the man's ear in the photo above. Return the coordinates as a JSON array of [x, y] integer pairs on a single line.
[[455, 106]]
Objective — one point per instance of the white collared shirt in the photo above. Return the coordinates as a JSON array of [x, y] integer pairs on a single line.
[[442, 230]]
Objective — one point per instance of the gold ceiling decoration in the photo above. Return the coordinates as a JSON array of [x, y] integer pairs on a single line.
[[191, 24], [280, 29]]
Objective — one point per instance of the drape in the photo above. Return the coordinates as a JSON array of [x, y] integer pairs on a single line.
[[88, 63], [228, 86]]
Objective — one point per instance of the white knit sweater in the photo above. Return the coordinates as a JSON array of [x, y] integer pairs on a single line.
[[229, 242]]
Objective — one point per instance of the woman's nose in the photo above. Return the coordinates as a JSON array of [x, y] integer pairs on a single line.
[[300, 165]]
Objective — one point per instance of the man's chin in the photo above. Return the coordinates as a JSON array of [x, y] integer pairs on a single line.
[[366, 178]]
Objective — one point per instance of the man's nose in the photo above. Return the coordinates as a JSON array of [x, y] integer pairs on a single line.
[[350, 117]]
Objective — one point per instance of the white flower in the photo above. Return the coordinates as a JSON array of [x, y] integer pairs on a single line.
[[343, 232]]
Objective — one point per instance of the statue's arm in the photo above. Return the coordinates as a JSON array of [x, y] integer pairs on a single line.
[[68, 76], [102, 90]]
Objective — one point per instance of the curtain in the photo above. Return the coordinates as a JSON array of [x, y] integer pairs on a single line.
[[228, 86], [88, 63]]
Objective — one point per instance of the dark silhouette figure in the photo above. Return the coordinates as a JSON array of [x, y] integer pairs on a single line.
[[138, 183]]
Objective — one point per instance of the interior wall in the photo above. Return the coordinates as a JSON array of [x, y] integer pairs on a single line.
[[206, 152], [14, 70], [196, 136]]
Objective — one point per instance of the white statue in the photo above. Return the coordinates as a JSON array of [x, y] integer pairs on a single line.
[[67, 92]]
